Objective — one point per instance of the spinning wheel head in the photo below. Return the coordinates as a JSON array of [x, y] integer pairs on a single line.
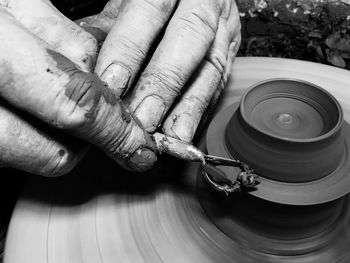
[[293, 135]]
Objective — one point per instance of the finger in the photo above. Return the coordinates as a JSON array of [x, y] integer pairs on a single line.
[[183, 120], [234, 31], [234, 46], [186, 41], [127, 44], [205, 86], [102, 21], [45, 21], [27, 147], [49, 86]]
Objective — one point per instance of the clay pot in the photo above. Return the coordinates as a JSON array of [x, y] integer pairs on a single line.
[[288, 130]]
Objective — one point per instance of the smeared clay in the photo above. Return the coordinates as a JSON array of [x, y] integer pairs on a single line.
[[111, 134], [107, 93], [83, 88], [126, 114]]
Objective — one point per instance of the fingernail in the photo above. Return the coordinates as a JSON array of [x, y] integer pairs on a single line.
[[142, 160], [117, 78], [180, 126], [150, 112]]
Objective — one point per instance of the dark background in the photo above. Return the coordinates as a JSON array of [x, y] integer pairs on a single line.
[[313, 30], [75, 9]]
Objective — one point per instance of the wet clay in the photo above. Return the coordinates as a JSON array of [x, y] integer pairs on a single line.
[[177, 148], [83, 87]]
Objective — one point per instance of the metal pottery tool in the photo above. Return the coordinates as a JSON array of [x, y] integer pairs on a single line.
[[246, 179]]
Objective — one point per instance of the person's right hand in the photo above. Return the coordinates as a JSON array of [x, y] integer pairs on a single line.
[[45, 64], [168, 58]]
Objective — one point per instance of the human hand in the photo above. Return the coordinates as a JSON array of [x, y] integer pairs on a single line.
[[186, 47], [45, 61]]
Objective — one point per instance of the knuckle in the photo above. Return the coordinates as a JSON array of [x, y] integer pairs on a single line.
[[78, 93], [218, 58], [134, 51], [113, 131], [68, 119], [165, 7], [124, 142], [201, 20], [198, 103], [167, 81], [118, 144], [83, 91], [235, 25], [127, 143]]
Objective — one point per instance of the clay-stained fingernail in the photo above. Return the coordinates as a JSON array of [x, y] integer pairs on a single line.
[[117, 78], [142, 160], [181, 126], [150, 112]]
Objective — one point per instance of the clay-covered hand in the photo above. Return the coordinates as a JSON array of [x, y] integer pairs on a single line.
[[46, 83], [158, 52]]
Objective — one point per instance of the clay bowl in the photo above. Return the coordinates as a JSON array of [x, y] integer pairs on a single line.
[[288, 130], [293, 135]]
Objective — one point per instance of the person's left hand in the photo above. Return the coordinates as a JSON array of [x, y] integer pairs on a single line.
[[193, 44]]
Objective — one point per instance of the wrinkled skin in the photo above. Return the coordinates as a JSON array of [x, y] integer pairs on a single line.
[[193, 58], [49, 80]]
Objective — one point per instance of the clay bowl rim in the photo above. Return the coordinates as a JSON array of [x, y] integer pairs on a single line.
[[328, 188], [336, 128]]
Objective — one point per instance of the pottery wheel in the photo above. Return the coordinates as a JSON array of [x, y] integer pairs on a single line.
[[103, 214]]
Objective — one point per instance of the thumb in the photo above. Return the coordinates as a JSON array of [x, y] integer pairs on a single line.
[[52, 88]]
